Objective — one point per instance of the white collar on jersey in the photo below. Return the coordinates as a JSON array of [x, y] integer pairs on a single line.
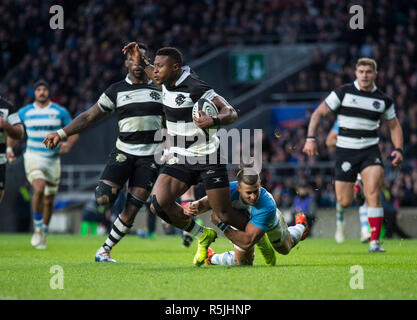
[[356, 83], [128, 80], [186, 70], [35, 105]]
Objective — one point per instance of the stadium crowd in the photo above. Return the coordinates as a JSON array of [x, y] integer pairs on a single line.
[[82, 59]]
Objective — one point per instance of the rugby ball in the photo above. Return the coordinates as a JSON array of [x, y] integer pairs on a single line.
[[208, 107]]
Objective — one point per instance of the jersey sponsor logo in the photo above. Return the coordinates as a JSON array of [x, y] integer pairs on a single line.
[[377, 160], [346, 166], [155, 95], [127, 97], [217, 180], [210, 172], [121, 158], [353, 101], [180, 99]]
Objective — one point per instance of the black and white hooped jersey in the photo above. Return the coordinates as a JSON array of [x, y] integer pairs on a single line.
[[178, 100], [140, 111], [358, 114], [9, 113]]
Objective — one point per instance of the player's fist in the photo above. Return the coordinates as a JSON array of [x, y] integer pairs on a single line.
[[397, 158], [204, 121], [10, 156], [310, 148], [191, 208], [51, 141]]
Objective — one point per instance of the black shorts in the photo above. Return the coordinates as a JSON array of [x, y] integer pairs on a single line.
[[2, 176], [140, 171], [213, 176], [350, 162]]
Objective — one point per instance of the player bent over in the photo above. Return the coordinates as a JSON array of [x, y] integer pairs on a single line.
[[265, 227], [140, 114]]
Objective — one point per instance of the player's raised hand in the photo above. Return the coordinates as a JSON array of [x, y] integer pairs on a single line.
[[204, 121], [397, 158], [310, 148], [133, 49], [51, 141]]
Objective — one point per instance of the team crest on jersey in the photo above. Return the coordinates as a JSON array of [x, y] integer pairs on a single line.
[[120, 157], [52, 116], [346, 166], [179, 100], [376, 105], [155, 95]]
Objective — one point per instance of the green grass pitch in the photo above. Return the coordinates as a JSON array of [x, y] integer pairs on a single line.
[[161, 269]]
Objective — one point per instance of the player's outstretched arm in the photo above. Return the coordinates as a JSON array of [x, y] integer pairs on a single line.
[[79, 124], [310, 147], [397, 140], [245, 239]]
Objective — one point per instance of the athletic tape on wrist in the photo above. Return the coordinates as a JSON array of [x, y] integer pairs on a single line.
[[222, 226], [62, 134]]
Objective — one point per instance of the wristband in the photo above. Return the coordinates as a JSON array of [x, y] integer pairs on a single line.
[[399, 150], [62, 134], [216, 121], [222, 226], [311, 139], [9, 149]]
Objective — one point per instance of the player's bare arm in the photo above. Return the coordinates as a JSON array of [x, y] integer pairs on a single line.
[[397, 140], [227, 114], [11, 143], [245, 239], [310, 147], [79, 124], [16, 131]]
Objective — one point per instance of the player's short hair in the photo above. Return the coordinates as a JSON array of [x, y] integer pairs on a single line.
[[143, 46], [366, 62], [249, 179], [173, 53]]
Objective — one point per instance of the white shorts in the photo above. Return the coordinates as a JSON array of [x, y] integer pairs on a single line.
[[38, 167], [279, 233]]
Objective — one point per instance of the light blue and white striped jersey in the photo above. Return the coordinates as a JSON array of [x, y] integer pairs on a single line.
[[39, 122], [264, 214]]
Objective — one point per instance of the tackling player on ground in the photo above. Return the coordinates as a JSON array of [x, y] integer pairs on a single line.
[[359, 107], [265, 227], [140, 114], [181, 89]]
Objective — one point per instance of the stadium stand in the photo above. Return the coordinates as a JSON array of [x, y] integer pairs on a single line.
[[81, 60]]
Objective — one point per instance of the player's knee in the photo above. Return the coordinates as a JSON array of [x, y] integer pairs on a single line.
[[156, 209], [106, 194], [344, 201]]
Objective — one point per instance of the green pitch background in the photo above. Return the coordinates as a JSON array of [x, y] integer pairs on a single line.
[[162, 269]]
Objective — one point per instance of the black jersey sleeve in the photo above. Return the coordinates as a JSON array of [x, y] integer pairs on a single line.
[[108, 99]]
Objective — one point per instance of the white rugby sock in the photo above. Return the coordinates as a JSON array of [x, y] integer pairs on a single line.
[[195, 229], [363, 217], [296, 232], [224, 259]]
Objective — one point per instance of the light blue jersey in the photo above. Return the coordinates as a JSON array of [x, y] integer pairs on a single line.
[[264, 214], [39, 122]]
